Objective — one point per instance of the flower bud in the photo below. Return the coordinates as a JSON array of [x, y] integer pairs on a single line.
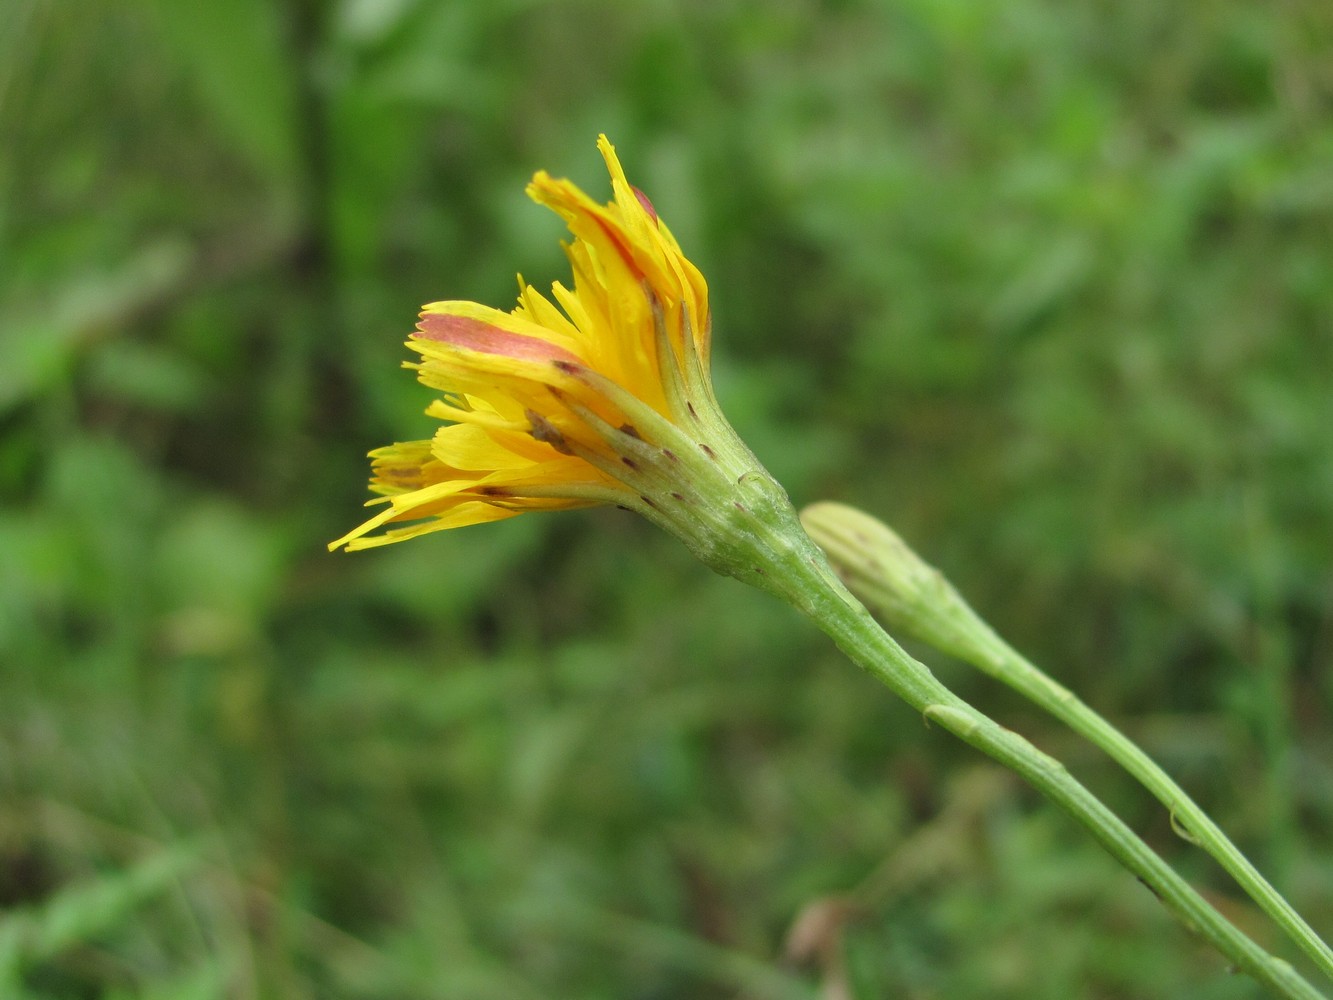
[[911, 596]]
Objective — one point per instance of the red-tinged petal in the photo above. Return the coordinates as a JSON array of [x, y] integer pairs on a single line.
[[477, 335], [647, 205], [587, 220]]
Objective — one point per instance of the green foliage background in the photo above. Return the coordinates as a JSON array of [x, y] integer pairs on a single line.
[[1049, 286]]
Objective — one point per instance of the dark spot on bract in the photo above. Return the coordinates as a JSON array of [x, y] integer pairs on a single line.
[[631, 430], [544, 430]]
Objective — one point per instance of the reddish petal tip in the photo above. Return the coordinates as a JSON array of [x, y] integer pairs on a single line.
[[478, 335], [647, 205]]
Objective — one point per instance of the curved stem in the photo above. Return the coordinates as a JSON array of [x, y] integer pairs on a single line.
[[809, 585], [1006, 664], [915, 598]]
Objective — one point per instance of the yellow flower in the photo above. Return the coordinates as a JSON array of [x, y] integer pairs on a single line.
[[601, 396]]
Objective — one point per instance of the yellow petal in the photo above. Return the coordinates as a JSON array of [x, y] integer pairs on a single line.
[[469, 447], [460, 517]]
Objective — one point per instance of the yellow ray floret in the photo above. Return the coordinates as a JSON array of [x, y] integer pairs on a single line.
[[549, 404]]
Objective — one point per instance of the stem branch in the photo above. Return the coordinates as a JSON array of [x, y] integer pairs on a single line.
[[809, 585], [1005, 663]]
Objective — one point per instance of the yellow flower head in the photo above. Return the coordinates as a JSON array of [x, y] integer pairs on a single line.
[[594, 398]]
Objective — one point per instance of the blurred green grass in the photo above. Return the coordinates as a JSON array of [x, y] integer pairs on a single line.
[[1048, 286]]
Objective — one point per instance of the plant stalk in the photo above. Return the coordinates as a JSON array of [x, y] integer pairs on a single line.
[[1006, 664], [807, 582], [915, 598]]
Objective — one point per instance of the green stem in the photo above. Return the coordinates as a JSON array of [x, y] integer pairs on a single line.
[[915, 598], [798, 572], [997, 658], [712, 494]]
